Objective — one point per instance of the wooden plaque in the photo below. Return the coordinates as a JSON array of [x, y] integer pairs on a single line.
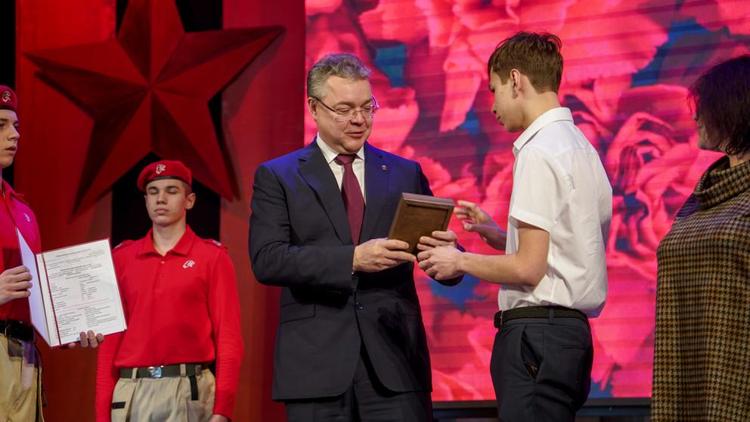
[[419, 215]]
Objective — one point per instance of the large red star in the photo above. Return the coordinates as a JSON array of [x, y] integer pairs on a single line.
[[148, 90]]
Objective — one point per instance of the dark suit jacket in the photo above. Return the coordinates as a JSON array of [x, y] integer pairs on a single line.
[[300, 240]]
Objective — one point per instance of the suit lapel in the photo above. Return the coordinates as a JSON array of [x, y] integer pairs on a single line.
[[376, 189], [318, 175]]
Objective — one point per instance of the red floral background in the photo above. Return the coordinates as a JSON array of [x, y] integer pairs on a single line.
[[627, 68]]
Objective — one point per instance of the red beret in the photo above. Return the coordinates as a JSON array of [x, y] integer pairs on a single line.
[[8, 98], [164, 169]]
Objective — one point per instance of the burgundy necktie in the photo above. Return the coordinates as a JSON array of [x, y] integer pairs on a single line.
[[352, 194]]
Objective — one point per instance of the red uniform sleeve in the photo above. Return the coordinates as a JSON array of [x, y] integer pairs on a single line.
[[224, 310], [106, 376]]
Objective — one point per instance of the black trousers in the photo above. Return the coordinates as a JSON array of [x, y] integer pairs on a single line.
[[367, 400], [541, 369]]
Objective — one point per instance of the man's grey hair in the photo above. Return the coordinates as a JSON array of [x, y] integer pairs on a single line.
[[343, 65]]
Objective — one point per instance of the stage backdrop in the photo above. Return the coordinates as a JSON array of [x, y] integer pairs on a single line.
[[261, 117], [627, 66]]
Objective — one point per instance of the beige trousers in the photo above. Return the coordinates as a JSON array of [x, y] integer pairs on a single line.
[[20, 383], [163, 399]]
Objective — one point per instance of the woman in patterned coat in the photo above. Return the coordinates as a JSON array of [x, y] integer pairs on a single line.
[[702, 344]]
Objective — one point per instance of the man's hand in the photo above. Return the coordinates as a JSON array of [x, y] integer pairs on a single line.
[[476, 220], [14, 284], [218, 418], [441, 263], [88, 339], [381, 254], [438, 238]]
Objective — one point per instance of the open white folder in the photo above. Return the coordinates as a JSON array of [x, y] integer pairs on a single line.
[[73, 289]]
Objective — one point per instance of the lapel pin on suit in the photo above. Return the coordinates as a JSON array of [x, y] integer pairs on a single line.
[[384, 167]]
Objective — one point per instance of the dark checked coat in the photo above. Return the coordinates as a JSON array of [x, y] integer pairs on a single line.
[[702, 345]]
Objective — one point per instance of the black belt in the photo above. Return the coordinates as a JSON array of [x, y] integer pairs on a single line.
[[162, 371], [538, 312], [17, 330]]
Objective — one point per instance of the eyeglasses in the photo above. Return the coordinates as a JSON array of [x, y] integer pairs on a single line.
[[345, 113]]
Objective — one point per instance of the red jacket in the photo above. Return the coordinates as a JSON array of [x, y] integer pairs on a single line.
[[182, 307], [16, 213]]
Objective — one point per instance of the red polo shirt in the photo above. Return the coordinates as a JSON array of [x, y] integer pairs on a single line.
[[181, 307], [15, 213]]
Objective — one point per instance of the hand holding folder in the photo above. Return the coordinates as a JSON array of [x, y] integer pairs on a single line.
[[73, 290]]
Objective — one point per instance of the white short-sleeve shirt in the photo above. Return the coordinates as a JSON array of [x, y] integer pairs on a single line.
[[560, 186]]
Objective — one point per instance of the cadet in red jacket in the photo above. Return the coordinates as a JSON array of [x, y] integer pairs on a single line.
[[180, 298], [19, 365], [20, 374]]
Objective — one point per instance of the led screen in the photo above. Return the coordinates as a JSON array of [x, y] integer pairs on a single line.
[[627, 68]]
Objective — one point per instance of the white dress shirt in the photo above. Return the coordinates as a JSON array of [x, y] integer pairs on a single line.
[[358, 165], [560, 186]]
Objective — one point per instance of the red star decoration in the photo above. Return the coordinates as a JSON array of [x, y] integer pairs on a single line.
[[148, 90]]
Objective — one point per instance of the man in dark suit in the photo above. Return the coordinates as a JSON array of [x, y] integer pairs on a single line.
[[351, 343]]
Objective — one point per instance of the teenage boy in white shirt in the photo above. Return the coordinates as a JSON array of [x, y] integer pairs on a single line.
[[553, 274]]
